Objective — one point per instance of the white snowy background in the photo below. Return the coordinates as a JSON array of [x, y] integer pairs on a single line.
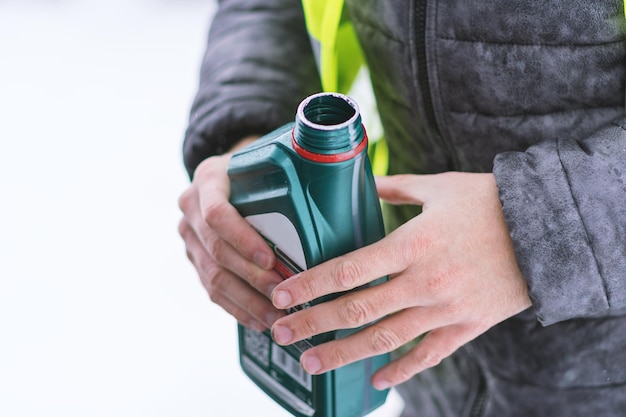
[[100, 312]]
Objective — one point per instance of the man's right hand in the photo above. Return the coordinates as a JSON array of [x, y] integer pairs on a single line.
[[234, 263]]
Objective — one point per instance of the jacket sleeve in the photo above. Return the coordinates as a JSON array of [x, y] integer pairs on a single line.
[[565, 205], [257, 68]]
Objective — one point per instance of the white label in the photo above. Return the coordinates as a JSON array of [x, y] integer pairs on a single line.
[[285, 241], [277, 228]]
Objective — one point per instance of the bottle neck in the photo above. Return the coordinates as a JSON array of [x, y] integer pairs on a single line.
[[328, 128]]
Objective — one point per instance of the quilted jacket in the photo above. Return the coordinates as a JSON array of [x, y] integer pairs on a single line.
[[532, 91]]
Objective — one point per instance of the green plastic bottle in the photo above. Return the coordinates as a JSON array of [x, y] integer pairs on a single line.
[[308, 189]]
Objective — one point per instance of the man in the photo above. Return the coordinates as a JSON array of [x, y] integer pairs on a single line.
[[517, 108]]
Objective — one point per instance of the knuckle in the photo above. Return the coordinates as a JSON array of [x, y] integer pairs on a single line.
[[383, 340], [355, 312], [190, 256], [403, 373], [427, 358], [457, 309], [214, 211], [212, 278], [217, 248], [346, 273], [306, 289], [417, 247], [309, 326], [184, 200], [252, 278], [183, 227], [245, 242], [214, 295], [240, 240], [339, 357], [440, 282]]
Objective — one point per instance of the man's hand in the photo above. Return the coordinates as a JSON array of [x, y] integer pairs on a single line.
[[234, 263], [453, 276]]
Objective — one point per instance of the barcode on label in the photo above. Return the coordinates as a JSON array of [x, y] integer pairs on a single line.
[[291, 367], [257, 346]]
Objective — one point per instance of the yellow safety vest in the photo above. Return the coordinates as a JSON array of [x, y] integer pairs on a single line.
[[339, 58]]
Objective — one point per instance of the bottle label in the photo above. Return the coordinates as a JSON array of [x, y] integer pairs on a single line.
[[278, 367]]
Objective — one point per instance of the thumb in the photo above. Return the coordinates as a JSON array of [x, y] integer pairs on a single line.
[[403, 189]]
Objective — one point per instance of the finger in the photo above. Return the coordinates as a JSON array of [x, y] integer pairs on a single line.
[[399, 189], [381, 337], [207, 244], [222, 217], [242, 316], [239, 296], [340, 274], [222, 252], [405, 189], [348, 311], [225, 255], [228, 290], [238, 233], [429, 352]]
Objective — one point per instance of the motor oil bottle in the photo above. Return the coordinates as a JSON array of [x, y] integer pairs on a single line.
[[308, 189]]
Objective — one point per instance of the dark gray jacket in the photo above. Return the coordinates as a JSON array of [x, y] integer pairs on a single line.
[[531, 90]]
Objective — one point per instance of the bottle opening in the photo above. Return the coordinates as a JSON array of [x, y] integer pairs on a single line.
[[328, 128], [328, 110]]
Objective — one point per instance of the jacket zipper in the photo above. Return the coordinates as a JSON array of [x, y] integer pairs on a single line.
[[479, 402], [423, 80], [480, 396]]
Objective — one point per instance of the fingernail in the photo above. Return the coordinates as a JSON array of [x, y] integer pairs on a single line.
[[381, 384], [282, 335], [311, 363], [262, 259], [281, 299]]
